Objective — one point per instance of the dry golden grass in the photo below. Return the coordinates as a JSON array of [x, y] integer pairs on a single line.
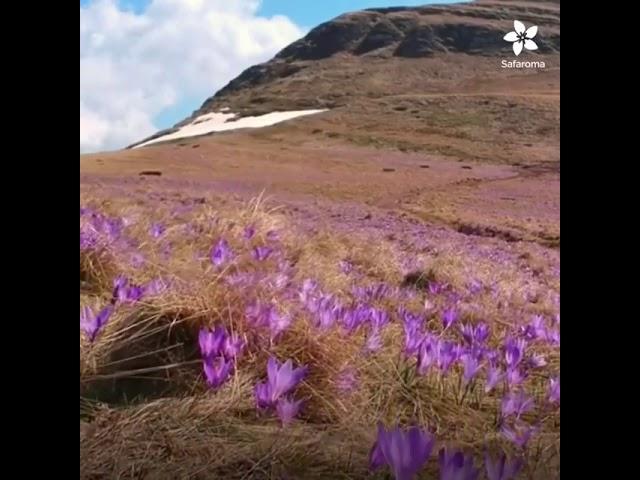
[[146, 412]]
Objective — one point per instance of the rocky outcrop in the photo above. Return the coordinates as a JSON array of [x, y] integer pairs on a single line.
[[477, 28]]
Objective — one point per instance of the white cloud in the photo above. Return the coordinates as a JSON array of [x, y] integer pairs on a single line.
[[134, 66]]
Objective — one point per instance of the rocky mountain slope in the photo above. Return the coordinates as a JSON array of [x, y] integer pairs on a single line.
[[370, 56], [368, 40]]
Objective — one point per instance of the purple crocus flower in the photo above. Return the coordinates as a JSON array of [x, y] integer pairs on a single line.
[[468, 332], [371, 292], [346, 267], [92, 324], [278, 323], [326, 311], [494, 376], [553, 337], [435, 288], [475, 287], [514, 351], [538, 327], [492, 356], [249, 232], [405, 452], [471, 367], [516, 404], [536, 361], [113, 228], [535, 329], [262, 393], [233, 347], [133, 293], [120, 284], [410, 318], [413, 338], [262, 253], [211, 342], [259, 314], [481, 332], [460, 350], [306, 292], [378, 291], [281, 379], [446, 355], [554, 390], [221, 253], [157, 230], [354, 317], [155, 287], [449, 316], [216, 371], [88, 240], [501, 469], [456, 466], [379, 318], [427, 354], [520, 434], [515, 377], [325, 317], [287, 410]]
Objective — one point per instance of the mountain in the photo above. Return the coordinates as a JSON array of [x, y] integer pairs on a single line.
[[356, 43], [390, 60]]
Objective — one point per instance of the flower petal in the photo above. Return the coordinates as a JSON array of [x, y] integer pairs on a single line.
[[518, 26], [517, 48], [530, 45], [531, 32], [511, 37]]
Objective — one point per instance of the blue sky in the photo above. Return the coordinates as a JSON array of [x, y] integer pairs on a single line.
[[145, 72], [311, 13], [306, 13]]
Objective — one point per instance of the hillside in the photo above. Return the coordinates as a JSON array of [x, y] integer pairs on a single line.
[[419, 79]]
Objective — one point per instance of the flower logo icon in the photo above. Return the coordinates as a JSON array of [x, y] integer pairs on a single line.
[[521, 37]]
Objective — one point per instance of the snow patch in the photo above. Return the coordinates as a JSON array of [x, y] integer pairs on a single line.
[[222, 122]]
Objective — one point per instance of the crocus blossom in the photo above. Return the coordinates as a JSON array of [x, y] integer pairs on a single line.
[[217, 371], [287, 409], [554, 390], [456, 466], [405, 452], [501, 468], [92, 324], [221, 253], [281, 379]]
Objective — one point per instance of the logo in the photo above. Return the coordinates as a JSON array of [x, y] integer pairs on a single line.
[[522, 37]]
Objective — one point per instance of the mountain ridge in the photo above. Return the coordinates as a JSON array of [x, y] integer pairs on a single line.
[[329, 67]]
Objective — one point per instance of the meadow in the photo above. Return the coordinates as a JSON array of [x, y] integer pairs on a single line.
[[227, 335]]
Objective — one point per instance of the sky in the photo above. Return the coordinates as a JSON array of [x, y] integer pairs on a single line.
[[147, 64]]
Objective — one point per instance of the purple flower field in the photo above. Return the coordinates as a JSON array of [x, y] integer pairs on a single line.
[[241, 337]]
